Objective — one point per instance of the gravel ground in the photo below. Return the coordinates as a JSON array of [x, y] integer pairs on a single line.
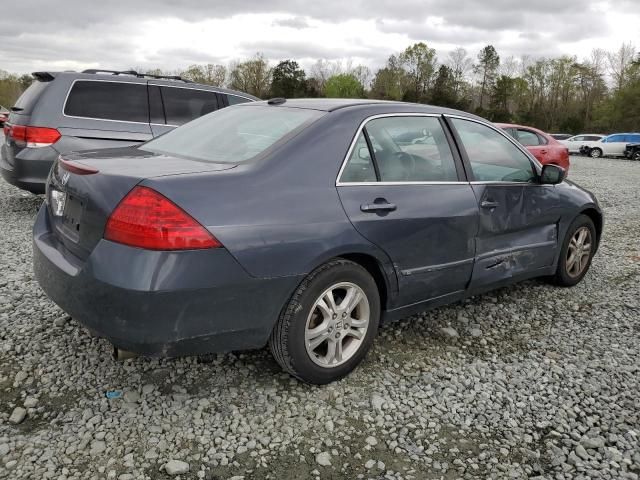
[[536, 382]]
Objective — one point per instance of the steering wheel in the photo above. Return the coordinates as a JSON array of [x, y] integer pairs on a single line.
[[408, 163]]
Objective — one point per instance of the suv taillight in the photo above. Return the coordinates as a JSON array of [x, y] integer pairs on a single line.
[[146, 219], [33, 137]]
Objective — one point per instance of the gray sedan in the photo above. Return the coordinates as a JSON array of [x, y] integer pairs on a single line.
[[302, 224]]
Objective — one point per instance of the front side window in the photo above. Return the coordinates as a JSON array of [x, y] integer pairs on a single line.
[[614, 138], [232, 135], [126, 102], [411, 149], [181, 105], [492, 156]]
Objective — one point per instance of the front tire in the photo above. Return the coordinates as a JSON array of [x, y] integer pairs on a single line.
[[595, 153], [577, 251], [329, 324], [635, 156]]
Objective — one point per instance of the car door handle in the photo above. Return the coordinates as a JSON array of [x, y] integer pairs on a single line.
[[543, 151], [489, 204], [378, 207]]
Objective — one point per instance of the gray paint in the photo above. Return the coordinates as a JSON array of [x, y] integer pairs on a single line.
[[279, 218], [28, 168]]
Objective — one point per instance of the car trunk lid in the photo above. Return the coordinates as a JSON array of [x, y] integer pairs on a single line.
[[84, 188]]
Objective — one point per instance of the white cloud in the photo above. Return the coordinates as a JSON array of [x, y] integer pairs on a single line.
[[171, 35]]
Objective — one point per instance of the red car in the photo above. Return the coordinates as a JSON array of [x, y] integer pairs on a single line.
[[542, 145]]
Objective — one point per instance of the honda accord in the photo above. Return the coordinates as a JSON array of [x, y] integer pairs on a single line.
[[302, 224]]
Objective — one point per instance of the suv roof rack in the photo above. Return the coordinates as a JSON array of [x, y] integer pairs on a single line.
[[136, 74]]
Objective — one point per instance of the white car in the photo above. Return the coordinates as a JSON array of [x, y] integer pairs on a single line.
[[574, 143], [611, 146]]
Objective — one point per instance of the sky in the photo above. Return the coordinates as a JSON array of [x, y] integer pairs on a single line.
[[172, 34]]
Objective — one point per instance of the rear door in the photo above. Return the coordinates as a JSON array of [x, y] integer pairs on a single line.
[[403, 189], [105, 113], [172, 106], [518, 233], [614, 145]]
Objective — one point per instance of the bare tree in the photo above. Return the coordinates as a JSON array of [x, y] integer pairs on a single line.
[[324, 69], [461, 65], [618, 63], [509, 67]]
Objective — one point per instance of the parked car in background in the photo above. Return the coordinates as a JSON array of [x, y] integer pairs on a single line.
[[4, 115], [301, 224], [632, 151], [610, 146], [561, 136], [70, 111], [543, 146], [574, 143]]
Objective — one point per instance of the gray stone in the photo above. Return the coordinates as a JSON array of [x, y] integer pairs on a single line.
[[324, 459], [18, 415], [176, 467], [449, 332]]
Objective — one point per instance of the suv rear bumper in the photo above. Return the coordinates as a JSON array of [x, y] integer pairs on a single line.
[[160, 303], [29, 169]]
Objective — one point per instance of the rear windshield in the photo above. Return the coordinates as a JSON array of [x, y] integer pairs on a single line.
[[28, 99], [234, 134]]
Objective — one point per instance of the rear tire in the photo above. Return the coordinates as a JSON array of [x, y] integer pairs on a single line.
[[595, 153], [577, 252], [329, 324]]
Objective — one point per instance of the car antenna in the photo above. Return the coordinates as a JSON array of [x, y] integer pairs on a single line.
[[276, 101]]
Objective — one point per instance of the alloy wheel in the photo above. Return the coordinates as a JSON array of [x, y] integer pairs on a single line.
[[578, 252], [595, 153], [337, 324]]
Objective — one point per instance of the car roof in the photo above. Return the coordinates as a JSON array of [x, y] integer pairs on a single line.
[[130, 78], [333, 104]]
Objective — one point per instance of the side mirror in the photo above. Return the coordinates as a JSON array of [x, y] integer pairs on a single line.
[[552, 174], [363, 153]]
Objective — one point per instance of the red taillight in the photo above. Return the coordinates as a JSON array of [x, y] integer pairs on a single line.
[[146, 219], [75, 167], [33, 137]]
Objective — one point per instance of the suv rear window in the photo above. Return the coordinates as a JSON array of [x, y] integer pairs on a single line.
[[30, 96], [181, 105], [125, 102], [232, 135]]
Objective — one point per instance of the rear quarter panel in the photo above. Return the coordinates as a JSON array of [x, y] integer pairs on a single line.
[[282, 215]]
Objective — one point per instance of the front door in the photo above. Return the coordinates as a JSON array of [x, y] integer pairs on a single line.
[[403, 190], [518, 234]]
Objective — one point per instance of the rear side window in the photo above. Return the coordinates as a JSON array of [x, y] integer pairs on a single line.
[[411, 149], [359, 167], [30, 96], [232, 135], [126, 102], [234, 99], [181, 105], [528, 138]]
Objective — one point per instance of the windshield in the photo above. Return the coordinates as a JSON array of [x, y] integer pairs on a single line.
[[233, 134]]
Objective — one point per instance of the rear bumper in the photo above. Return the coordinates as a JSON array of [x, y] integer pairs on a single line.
[[160, 303], [29, 169]]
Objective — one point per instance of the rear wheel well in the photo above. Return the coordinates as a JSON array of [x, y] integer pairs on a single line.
[[596, 218], [371, 265]]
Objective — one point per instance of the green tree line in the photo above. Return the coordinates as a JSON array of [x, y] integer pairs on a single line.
[[600, 93]]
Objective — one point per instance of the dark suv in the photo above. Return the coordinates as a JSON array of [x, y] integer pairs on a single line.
[[70, 111]]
